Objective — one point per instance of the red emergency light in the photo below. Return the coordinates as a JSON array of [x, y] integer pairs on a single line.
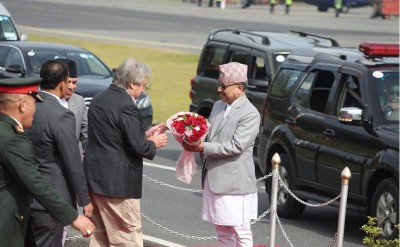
[[371, 49]]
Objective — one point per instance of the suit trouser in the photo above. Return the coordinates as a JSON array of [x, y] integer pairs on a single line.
[[117, 222], [234, 236], [47, 230]]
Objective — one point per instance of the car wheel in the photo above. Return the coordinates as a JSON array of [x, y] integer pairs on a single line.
[[287, 206], [322, 9], [385, 207], [246, 3]]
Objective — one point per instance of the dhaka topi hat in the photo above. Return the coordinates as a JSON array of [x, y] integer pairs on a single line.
[[233, 72], [25, 85], [71, 66]]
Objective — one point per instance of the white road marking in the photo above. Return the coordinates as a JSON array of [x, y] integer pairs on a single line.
[[161, 241], [103, 37], [159, 166]]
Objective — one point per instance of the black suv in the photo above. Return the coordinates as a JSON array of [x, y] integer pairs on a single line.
[[263, 52], [331, 108]]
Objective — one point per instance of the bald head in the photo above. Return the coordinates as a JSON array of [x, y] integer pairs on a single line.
[[8, 99], [18, 106]]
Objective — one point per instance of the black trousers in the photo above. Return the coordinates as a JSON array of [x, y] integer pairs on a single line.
[[29, 238], [47, 230]]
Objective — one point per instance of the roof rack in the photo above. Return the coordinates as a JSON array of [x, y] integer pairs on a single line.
[[265, 39], [304, 34]]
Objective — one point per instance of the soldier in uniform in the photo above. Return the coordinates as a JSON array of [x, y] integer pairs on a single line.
[[19, 175]]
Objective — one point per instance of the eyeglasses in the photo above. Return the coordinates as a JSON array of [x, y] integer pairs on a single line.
[[224, 86], [393, 93]]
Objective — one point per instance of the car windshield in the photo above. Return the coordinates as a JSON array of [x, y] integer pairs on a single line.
[[88, 64], [387, 83], [8, 32]]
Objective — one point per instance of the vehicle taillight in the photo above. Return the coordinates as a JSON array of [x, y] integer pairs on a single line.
[[263, 110], [371, 49], [191, 88]]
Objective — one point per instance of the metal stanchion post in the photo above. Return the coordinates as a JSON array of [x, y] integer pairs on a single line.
[[346, 175], [276, 160]]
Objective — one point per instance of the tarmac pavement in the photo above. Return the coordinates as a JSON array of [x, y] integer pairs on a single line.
[[75, 239]]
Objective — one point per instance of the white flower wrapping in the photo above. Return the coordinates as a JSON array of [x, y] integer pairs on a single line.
[[186, 164]]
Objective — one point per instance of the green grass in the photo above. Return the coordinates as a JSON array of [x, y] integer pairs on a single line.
[[171, 71]]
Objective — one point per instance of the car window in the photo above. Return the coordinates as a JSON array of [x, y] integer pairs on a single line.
[[303, 93], [4, 50], [37, 58], [260, 71], [213, 58], [387, 90], [14, 58], [240, 57], [321, 88], [350, 95], [284, 82], [88, 65], [8, 31]]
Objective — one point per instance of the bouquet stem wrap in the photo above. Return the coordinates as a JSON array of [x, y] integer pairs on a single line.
[[191, 128]]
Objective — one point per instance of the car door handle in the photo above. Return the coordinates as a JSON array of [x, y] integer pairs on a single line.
[[290, 121], [329, 132]]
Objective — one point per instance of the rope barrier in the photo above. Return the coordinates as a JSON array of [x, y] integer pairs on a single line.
[[252, 222]]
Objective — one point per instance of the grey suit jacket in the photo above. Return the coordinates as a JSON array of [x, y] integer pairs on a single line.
[[56, 151], [228, 149], [77, 105]]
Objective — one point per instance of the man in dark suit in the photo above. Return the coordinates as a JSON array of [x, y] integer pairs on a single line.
[[19, 176], [113, 160], [56, 150]]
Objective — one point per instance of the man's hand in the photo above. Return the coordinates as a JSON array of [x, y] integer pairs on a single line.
[[159, 128], [84, 225], [160, 139], [88, 210], [193, 148]]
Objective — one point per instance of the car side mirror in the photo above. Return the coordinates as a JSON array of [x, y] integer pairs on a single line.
[[351, 116], [17, 69], [24, 37]]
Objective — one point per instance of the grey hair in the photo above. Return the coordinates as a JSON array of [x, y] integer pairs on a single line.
[[130, 71]]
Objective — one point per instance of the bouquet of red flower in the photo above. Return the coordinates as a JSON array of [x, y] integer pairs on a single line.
[[191, 128]]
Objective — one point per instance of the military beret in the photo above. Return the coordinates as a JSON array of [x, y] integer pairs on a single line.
[[26, 85], [71, 66]]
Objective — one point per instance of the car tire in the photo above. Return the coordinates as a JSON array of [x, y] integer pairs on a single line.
[[287, 206], [385, 207], [322, 9]]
